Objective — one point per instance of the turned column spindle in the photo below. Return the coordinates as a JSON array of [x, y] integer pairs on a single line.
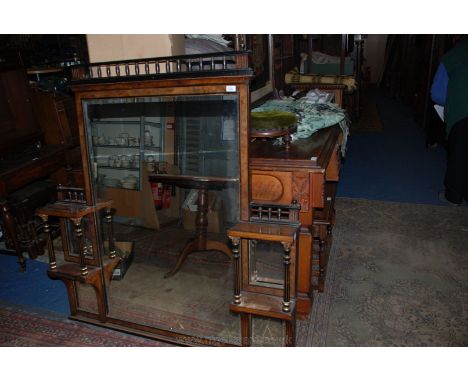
[[322, 244], [237, 273], [81, 245], [50, 242], [110, 233], [287, 282], [202, 216]]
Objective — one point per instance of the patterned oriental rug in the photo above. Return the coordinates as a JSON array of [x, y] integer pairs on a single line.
[[398, 277], [24, 326]]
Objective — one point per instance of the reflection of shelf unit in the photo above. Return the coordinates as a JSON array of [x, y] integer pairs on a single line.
[[193, 145], [162, 85], [120, 168], [138, 149], [153, 148], [119, 146]]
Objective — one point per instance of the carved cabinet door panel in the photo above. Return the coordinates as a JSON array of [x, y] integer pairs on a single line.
[[271, 187], [301, 190]]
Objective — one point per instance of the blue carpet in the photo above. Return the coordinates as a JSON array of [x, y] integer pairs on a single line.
[[393, 164], [33, 287]]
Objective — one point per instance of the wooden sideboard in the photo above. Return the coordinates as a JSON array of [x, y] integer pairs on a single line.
[[300, 173]]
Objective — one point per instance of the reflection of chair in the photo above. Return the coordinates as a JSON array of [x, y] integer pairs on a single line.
[[72, 207], [269, 223]]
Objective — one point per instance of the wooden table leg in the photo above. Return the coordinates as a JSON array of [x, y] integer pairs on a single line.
[[200, 242], [190, 247], [9, 225]]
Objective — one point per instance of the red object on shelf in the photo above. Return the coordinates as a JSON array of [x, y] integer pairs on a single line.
[[157, 190]]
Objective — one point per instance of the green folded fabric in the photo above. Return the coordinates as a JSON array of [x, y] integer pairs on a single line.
[[311, 117], [272, 120]]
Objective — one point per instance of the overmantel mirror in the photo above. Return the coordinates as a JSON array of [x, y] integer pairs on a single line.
[[166, 140]]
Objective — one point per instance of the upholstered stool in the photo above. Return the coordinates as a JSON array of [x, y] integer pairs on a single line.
[[273, 124]]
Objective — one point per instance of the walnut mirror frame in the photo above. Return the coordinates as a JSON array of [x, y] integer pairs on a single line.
[[223, 77]]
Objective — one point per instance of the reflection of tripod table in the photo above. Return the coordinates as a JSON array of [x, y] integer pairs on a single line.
[[202, 184]]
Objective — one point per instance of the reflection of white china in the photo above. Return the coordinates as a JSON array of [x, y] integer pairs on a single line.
[[123, 139], [101, 140], [111, 182], [131, 178], [135, 160], [112, 160], [129, 185], [150, 166], [148, 138], [124, 161], [117, 162], [130, 182], [102, 161]]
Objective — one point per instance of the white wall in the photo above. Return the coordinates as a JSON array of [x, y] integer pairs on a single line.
[[110, 47]]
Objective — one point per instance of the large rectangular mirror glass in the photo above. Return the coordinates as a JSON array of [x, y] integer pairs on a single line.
[[169, 277]]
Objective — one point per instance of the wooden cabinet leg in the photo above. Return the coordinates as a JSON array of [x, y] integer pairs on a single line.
[[290, 335], [71, 290], [246, 329], [97, 281], [100, 297]]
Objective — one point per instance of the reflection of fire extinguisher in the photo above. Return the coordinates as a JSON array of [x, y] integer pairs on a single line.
[[161, 192], [157, 190]]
